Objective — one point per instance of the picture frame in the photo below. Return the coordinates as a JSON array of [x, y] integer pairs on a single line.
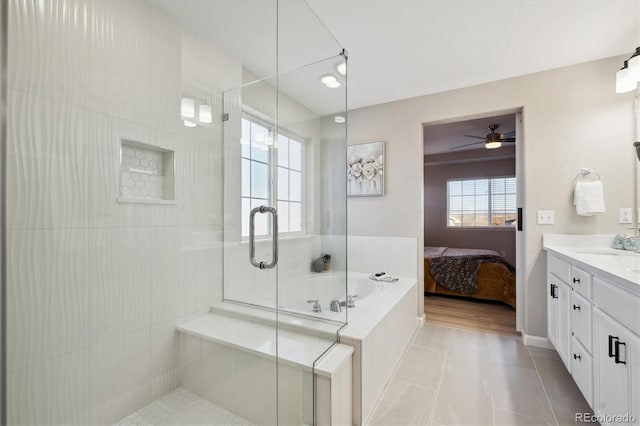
[[365, 169]]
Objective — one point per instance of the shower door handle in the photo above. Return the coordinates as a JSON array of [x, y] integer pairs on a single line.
[[274, 241]]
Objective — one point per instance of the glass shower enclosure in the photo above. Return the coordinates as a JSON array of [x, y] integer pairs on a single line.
[[176, 211]]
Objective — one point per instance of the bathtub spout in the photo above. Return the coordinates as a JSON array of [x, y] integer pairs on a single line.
[[335, 306], [349, 303], [317, 307]]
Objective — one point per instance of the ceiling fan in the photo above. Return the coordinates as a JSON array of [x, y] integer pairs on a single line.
[[492, 140]]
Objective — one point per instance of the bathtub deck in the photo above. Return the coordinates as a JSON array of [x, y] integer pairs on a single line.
[[295, 348]]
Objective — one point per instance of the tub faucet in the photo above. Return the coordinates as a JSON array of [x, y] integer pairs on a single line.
[[317, 307], [335, 306], [350, 303]]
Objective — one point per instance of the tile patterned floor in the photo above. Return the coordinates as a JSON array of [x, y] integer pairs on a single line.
[[451, 376], [181, 407]]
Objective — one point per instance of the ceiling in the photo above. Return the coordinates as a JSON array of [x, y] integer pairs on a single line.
[[440, 138], [405, 48]]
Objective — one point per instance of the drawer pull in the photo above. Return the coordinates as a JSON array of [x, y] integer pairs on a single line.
[[617, 357], [611, 351], [576, 280], [577, 357], [576, 307]]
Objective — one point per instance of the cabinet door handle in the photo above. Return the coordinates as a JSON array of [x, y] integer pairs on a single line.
[[554, 291], [576, 280], [577, 357], [611, 339], [617, 357], [576, 307]]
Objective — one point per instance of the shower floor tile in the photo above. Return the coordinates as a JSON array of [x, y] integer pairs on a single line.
[[181, 407]]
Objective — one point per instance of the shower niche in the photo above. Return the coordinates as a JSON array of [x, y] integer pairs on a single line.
[[146, 174]]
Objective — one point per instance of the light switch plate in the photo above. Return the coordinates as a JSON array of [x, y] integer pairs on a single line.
[[546, 217], [625, 216]]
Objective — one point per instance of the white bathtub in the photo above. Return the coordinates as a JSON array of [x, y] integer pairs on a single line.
[[293, 296], [379, 327]]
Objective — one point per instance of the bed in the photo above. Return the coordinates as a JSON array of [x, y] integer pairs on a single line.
[[493, 277]]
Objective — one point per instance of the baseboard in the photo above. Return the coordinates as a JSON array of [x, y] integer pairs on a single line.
[[538, 341]]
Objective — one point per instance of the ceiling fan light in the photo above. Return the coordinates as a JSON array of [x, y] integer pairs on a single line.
[[492, 144], [624, 82]]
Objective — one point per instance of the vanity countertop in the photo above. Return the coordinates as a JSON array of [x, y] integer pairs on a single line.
[[594, 254]]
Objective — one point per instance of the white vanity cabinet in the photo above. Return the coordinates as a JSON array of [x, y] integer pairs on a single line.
[[594, 324], [558, 316], [611, 390]]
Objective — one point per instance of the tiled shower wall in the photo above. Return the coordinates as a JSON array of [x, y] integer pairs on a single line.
[[95, 287]]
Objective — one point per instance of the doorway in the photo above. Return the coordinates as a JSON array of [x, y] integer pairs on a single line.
[[472, 200]]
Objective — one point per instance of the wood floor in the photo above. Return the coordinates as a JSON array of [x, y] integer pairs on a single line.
[[488, 317]]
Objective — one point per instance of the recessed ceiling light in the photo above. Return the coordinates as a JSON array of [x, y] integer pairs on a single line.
[[342, 68], [188, 123], [339, 119], [333, 84], [327, 79]]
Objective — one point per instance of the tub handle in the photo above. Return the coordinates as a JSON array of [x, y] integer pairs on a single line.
[[274, 237]]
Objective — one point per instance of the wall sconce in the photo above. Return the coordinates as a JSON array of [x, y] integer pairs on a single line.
[[188, 113], [628, 76]]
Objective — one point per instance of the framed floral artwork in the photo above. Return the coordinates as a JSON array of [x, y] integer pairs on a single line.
[[365, 169]]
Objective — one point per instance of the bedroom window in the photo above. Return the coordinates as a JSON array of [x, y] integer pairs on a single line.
[[481, 203], [259, 156]]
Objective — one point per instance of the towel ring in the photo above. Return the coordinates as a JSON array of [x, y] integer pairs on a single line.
[[587, 175]]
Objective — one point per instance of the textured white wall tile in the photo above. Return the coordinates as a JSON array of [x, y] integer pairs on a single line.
[[51, 392], [231, 377], [120, 377], [164, 358], [199, 182], [48, 167], [164, 274], [120, 282], [47, 294], [208, 283], [294, 395], [189, 242], [56, 35], [190, 361], [166, 73], [120, 65]]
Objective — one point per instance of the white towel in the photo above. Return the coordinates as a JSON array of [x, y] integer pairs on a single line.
[[588, 198]]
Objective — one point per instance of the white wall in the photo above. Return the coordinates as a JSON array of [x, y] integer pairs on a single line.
[[572, 118], [96, 287]]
